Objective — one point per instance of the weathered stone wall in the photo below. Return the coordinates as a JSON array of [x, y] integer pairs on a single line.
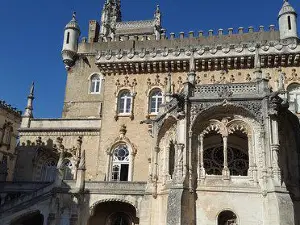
[[8, 116]]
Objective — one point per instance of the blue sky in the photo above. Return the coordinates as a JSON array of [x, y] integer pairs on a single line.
[[32, 33]]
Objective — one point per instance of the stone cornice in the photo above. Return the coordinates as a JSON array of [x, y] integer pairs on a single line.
[[206, 58], [59, 131]]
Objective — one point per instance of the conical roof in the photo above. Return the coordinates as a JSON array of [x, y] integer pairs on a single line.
[[73, 23], [286, 8]]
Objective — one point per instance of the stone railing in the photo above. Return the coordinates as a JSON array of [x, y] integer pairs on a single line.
[[108, 187], [226, 90], [121, 188]]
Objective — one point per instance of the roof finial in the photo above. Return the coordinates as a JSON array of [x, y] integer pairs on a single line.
[[74, 16], [32, 89]]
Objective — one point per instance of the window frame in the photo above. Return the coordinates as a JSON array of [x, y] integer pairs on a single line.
[[293, 90], [154, 96], [94, 86], [116, 162], [122, 95]]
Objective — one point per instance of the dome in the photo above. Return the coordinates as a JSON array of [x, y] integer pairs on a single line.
[[73, 23], [286, 8]]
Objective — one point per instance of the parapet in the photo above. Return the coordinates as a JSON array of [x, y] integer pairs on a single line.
[[241, 31]]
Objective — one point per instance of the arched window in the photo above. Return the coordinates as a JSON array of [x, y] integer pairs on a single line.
[[124, 102], [49, 171], [155, 100], [67, 170], [225, 155], [294, 97], [227, 218], [95, 84], [120, 163]]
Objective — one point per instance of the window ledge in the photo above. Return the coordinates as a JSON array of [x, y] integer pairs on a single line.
[[124, 114]]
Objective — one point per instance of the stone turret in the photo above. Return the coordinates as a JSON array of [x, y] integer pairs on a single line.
[[70, 45], [287, 20]]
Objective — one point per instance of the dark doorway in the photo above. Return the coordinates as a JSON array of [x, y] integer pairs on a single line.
[[227, 218]]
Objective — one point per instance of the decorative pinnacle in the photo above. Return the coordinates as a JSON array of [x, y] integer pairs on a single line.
[[29, 108], [157, 8], [31, 94], [74, 16]]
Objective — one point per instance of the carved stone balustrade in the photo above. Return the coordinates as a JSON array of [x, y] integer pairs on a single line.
[[225, 91]]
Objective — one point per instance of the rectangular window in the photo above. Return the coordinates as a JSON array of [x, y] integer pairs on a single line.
[[97, 90], [68, 37], [289, 23], [115, 176], [124, 172]]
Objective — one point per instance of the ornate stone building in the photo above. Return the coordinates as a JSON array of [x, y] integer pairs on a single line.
[[197, 129]]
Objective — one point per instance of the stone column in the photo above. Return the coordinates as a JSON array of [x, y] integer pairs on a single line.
[[167, 164], [275, 151], [201, 169], [155, 173], [251, 157], [108, 163], [179, 163], [131, 166], [225, 171]]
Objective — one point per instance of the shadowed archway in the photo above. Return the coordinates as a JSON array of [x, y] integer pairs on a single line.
[[114, 213], [34, 218]]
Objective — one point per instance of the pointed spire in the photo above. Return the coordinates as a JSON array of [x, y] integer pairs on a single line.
[[29, 108]]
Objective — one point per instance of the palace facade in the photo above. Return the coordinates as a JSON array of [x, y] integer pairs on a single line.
[[189, 129]]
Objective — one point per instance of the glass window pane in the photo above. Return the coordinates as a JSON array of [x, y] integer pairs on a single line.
[[128, 104], [153, 105], [121, 106], [92, 88], [97, 89]]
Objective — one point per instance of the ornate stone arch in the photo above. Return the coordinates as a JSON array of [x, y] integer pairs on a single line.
[[201, 111], [164, 126], [42, 156]]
